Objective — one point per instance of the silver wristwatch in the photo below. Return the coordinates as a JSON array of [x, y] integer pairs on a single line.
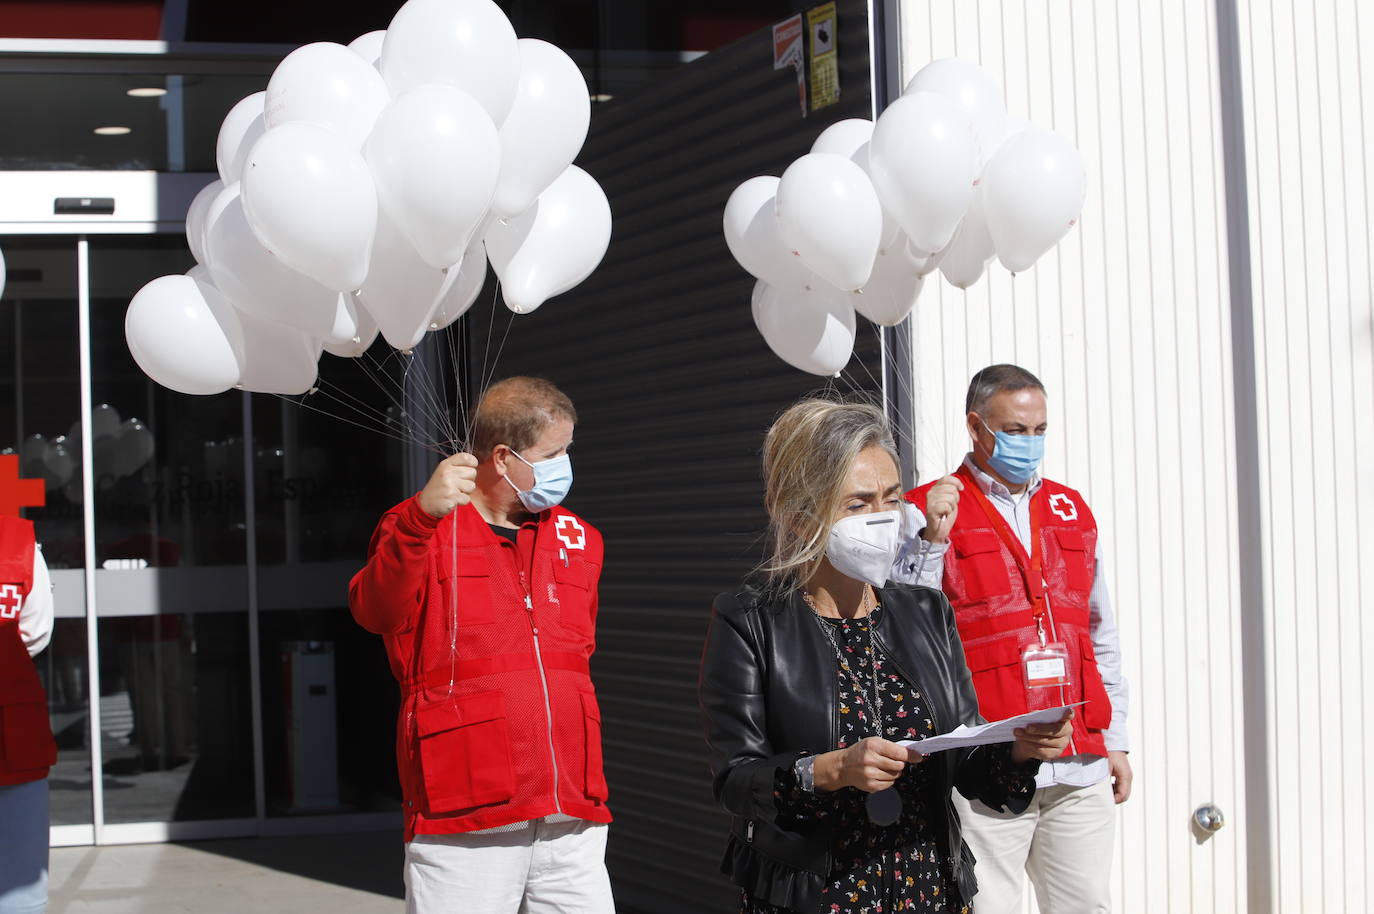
[[805, 770]]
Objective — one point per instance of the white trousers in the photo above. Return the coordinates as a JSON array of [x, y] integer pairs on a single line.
[[1063, 841], [543, 869]]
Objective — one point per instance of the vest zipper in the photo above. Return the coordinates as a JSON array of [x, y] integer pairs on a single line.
[[544, 685]]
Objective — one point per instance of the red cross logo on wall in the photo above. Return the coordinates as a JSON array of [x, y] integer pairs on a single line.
[[571, 532], [16, 493], [11, 601]]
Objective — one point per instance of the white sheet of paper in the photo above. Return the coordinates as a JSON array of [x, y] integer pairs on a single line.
[[998, 731]]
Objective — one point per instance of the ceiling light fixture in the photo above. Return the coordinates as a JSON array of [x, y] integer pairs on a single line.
[[113, 131], [146, 92]]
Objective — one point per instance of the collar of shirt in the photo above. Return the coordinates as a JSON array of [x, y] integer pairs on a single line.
[[993, 488]]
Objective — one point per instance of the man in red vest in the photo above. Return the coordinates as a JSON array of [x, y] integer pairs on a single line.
[[1019, 558], [27, 749], [486, 593]]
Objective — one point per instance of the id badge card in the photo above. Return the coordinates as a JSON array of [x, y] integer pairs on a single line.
[[1045, 666]]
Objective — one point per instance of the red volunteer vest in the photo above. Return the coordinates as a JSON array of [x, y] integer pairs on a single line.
[[499, 721], [27, 749], [996, 593]]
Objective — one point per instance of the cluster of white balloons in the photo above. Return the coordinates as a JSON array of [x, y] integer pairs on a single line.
[[945, 179], [120, 447], [365, 190]]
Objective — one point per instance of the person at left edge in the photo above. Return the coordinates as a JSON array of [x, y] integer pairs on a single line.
[[485, 590], [27, 749]]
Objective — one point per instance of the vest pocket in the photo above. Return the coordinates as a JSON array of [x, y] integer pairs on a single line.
[[470, 586], [982, 563], [26, 738], [1097, 713], [575, 585], [595, 776], [465, 756], [996, 669], [1077, 561]]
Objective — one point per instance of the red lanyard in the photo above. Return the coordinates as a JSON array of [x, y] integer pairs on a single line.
[[1029, 566]]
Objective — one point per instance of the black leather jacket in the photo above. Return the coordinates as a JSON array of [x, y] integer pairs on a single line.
[[768, 696]]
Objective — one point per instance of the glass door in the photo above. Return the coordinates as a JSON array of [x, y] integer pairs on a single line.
[[209, 668], [171, 576], [40, 403]]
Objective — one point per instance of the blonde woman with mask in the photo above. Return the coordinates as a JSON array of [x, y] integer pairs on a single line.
[[811, 675]]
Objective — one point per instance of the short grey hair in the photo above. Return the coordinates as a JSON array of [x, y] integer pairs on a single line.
[[996, 379]]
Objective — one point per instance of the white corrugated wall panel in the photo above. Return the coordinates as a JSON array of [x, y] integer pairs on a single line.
[[1307, 98], [1127, 323]]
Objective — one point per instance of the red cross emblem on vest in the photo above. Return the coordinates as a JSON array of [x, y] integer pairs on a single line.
[[11, 601], [16, 493], [570, 532], [1063, 507]]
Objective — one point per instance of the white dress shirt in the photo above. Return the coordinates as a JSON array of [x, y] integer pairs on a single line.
[[36, 615], [923, 563]]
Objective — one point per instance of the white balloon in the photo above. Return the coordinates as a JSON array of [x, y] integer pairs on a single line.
[[893, 288], [242, 127], [105, 421], [851, 138], [2, 272], [277, 359], [368, 46], [968, 253], [545, 128], [831, 218], [177, 337], [272, 358], [844, 138], [401, 290], [330, 86], [925, 263], [195, 218], [923, 161], [58, 463], [435, 157], [811, 329], [310, 200], [362, 341], [1032, 195], [348, 321], [753, 235], [465, 287], [259, 283], [134, 447], [468, 44], [553, 245], [31, 454], [976, 93]]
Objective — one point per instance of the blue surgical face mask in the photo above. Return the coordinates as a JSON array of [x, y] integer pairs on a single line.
[[552, 480], [1016, 457]]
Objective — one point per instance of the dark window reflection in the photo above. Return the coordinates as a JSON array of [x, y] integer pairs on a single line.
[[171, 572], [326, 466], [176, 724]]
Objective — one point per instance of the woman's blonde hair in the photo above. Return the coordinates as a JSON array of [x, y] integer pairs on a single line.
[[807, 456]]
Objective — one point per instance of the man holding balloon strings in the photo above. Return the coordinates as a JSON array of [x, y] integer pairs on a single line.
[[1024, 577], [485, 590]]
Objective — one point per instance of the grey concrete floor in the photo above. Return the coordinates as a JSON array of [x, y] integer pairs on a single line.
[[338, 874]]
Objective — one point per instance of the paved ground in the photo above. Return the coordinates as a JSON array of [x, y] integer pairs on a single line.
[[338, 874]]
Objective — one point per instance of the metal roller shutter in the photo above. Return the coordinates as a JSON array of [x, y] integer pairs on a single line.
[[674, 388]]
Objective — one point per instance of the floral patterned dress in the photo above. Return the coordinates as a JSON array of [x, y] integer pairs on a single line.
[[877, 869]]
